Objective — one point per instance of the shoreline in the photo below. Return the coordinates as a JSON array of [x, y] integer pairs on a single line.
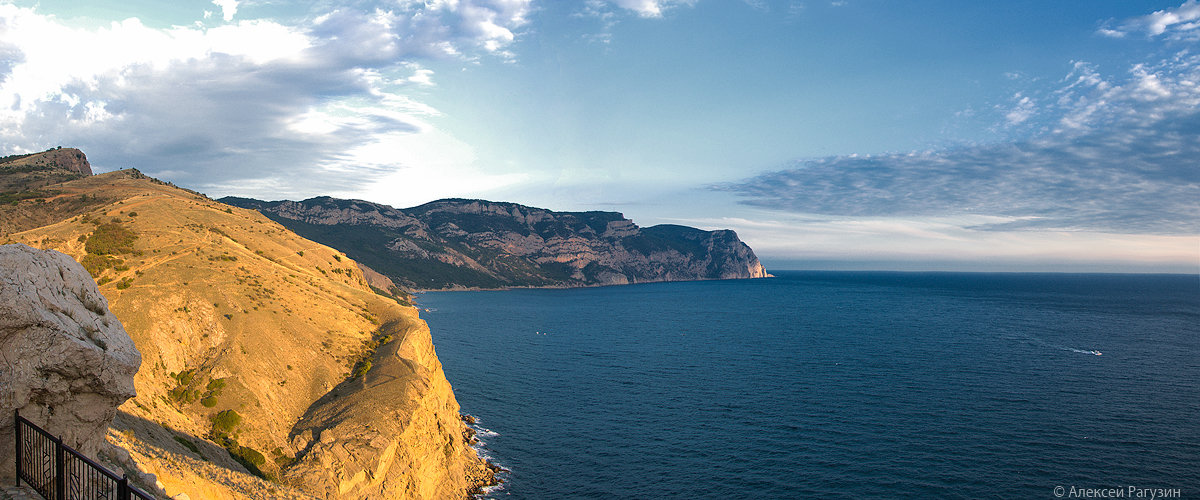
[[568, 287]]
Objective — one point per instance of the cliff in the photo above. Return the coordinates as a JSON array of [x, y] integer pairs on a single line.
[[245, 329], [65, 361], [474, 243]]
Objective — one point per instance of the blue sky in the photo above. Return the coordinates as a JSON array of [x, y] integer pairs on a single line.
[[1020, 135]]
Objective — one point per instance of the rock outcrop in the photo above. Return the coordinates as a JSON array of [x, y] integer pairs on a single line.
[[419, 450], [244, 328], [481, 244], [65, 361], [68, 159]]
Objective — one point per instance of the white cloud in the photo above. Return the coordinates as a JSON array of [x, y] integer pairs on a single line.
[[1022, 110], [421, 77], [643, 8], [895, 240], [228, 8], [1121, 158], [1181, 23], [759, 5], [303, 109]]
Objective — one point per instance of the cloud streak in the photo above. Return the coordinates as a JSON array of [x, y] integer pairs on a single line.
[[256, 102], [1180, 23], [1119, 156]]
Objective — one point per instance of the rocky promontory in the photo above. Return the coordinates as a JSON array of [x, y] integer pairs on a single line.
[[458, 243], [66, 362]]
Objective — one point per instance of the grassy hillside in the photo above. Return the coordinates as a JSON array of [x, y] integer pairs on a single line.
[[244, 327]]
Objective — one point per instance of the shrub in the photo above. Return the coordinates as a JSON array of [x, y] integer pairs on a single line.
[[247, 457], [209, 401], [96, 264], [110, 239], [362, 369], [225, 422], [188, 444], [252, 456]]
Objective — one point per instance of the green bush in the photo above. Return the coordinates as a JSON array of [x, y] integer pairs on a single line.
[[362, 369], [209, 401], [187, 444], [110, 239], [239, 454], [225, 422], [96, 264], [252, 456], [184, 377]]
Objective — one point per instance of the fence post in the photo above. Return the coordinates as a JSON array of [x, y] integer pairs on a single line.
[[17, 455], [60, 465], [123, 488]]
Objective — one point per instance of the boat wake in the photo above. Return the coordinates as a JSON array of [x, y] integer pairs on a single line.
[[1039, 342]]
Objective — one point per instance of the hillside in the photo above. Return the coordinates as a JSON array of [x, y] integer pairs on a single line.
[[458, 243], [257, 341]]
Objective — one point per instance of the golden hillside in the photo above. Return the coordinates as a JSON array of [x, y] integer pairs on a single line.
[[259, 341]]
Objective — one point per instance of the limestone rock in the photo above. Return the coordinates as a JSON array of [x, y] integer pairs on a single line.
[[457, 243], [392, 433], [65, 361]]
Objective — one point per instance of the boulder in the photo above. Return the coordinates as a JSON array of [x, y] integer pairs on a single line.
[[66, 362]]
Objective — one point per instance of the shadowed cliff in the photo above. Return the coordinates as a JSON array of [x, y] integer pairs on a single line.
[[458, 243]]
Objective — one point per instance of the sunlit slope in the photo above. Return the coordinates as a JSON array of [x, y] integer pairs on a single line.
[[243, 326]]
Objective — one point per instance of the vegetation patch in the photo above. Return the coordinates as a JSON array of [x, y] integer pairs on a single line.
[[110, 239], [187, 443], [282, 459], [400, 297], [363, 365], [225, 426]]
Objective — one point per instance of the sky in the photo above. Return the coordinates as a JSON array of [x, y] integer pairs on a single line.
[[847, 134]]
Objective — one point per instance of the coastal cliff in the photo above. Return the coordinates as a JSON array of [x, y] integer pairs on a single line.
[[270, 369], [458, 243]]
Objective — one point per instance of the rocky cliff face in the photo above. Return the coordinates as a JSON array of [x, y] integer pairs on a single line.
[[248, 333], [65, 361], [420, 451], [475, 243]]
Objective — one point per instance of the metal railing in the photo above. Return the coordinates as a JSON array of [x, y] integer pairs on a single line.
[[58, 472]]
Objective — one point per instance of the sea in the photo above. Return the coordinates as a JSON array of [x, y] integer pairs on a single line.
[[834, 385]]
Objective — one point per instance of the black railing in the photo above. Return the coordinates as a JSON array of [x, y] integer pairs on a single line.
[[58, 472]]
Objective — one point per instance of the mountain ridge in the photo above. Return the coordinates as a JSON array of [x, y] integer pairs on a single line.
[[461, 243]]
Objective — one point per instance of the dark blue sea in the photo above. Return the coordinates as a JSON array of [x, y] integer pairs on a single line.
[[834, 385]]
